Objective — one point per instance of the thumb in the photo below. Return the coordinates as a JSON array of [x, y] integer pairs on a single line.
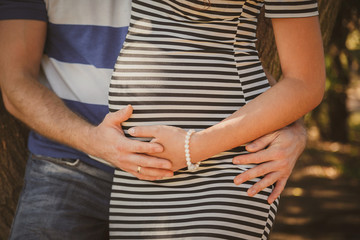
[[261, 142], [121, 115]]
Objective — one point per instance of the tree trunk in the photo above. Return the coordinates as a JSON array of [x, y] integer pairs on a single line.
[[13, 154], [13, 134]]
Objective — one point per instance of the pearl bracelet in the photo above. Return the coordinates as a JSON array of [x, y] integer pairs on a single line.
[[191, 166]]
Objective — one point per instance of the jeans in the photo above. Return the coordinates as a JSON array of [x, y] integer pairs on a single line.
[[62, 199]]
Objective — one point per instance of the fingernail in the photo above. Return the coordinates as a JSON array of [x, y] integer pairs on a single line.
[[251, 145], [158, 149], [131, 131], [251, 192], [237, 182]]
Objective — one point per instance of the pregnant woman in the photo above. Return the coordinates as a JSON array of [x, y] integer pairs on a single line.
[[192, 74]]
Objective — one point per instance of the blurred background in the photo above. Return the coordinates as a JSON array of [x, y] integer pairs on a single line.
[[322, 198]]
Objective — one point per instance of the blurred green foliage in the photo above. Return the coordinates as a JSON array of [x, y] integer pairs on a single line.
[[338, 117]]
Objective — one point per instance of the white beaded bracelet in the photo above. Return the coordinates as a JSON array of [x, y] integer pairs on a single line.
[[191, 166]]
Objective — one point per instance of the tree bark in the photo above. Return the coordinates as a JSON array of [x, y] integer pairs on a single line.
[[13, 134], [13, 154]]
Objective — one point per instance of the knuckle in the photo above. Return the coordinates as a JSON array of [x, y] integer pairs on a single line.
[[248, 175], [257, 159], [163, 164], [137, 148], [257, 186], [121, 148], [151, 162], [121, 158], [242, 178], [282, 181], [278, 154], [262, 172], [157, 129], [283, 164], [260, 185], [277, 190], [254, 158]]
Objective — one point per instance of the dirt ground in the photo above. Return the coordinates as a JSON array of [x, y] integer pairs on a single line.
[[322, 198]]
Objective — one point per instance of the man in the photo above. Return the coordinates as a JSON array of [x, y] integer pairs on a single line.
[[55, 65]]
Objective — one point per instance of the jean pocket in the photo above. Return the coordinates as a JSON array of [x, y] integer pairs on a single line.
[[61, 161]]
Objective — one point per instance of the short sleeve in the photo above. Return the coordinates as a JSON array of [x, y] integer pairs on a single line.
[[290, 8], [23, 9]]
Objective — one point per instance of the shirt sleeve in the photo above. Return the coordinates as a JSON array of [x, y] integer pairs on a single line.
[[290, 8], [23, 9]]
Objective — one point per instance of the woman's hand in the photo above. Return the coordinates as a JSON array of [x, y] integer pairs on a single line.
[[276, 153], [108, 142], [171, 138]]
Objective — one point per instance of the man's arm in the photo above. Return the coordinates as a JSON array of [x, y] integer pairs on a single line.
[[21, 46]]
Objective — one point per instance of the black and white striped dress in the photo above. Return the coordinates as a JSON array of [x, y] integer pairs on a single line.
[[190, 64]]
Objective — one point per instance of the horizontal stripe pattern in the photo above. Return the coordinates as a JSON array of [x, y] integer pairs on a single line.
[[290, 9], [70, 44], [189, 65], [78, 82], [190, 205]]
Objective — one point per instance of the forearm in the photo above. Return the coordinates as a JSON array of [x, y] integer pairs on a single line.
[[279, 106], [21, 44], [43, 111], [301, 56]]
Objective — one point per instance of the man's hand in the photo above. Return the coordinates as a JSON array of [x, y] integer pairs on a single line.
[[109, 143], [276, 153]]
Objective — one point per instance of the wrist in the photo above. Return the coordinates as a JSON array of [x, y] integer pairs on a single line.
[[83, 138], [299, 125], [190, 165], [198, 145]]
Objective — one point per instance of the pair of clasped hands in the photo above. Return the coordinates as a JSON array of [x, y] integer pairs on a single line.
[[275, 153]]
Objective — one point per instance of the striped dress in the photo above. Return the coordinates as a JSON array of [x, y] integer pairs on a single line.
[[190, 64]]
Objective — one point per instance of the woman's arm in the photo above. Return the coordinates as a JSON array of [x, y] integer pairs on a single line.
[[275, 155], [301, 89], [300, 50]]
